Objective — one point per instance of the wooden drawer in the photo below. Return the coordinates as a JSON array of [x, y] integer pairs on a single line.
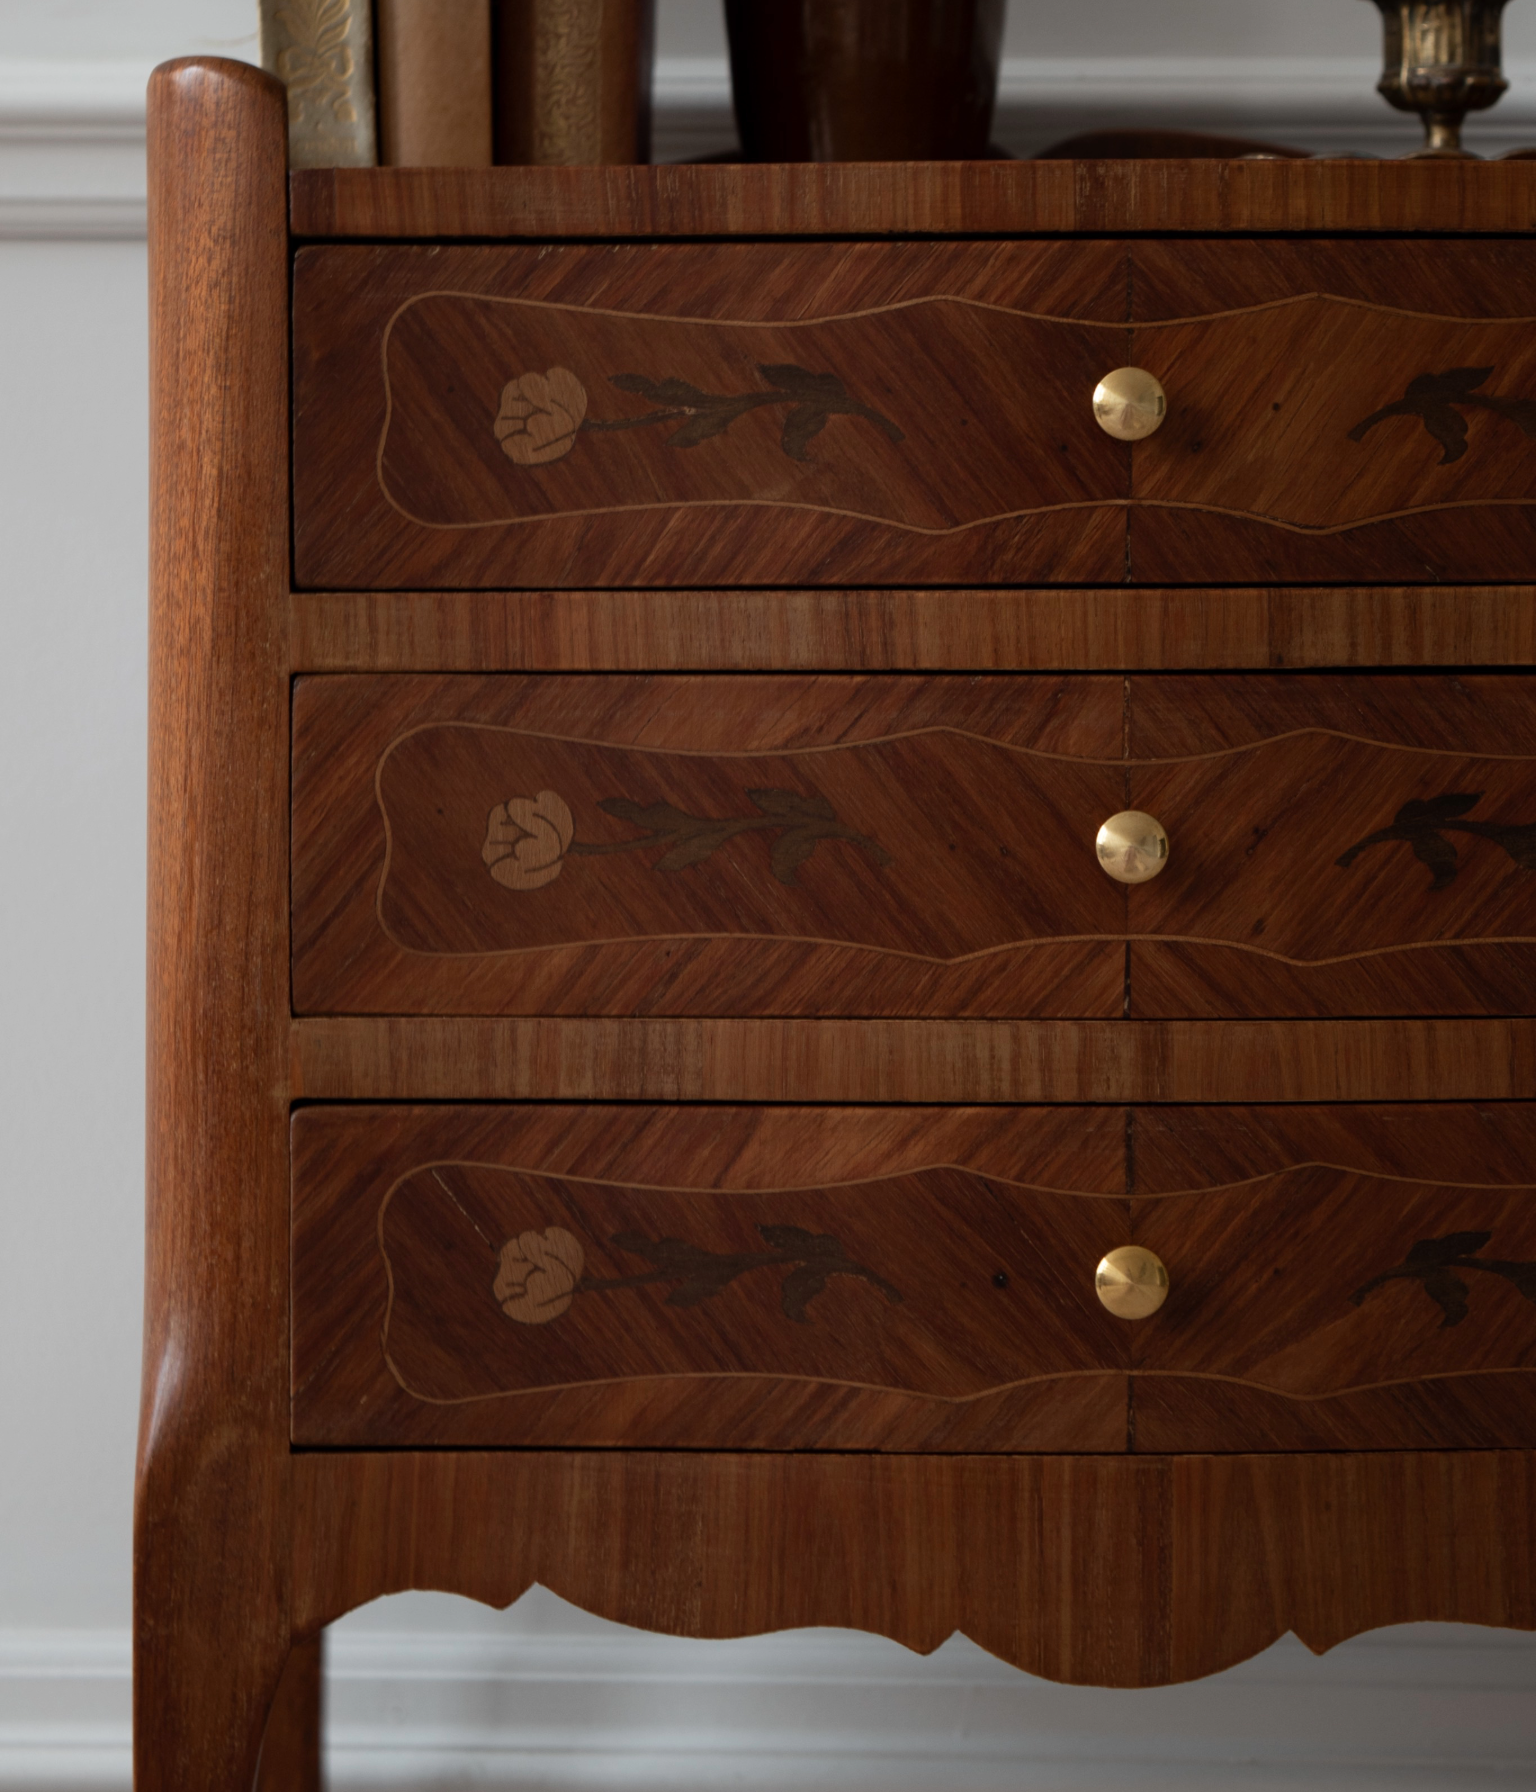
[[855, 846], [916, 413], [913, 1279]]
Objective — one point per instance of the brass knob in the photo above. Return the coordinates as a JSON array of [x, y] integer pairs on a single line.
[[1129, 404], [1131, 1282], [1132, 846]]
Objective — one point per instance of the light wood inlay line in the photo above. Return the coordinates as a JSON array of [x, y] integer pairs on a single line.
[[980, 522], [946, 1400], [945, 298], [897, 522], [987, 740], [922, 1169]]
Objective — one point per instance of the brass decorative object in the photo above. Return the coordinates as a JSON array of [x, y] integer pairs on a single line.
[[1129, 404], [1132, 846], [1131, 1282], [1440, 58]]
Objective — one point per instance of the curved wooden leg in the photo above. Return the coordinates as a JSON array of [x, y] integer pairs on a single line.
[[203, 1683], [212, 1617], [290, 1750], [212, 1628]]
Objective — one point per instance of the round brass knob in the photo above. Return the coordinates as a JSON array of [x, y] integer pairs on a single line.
[[1131, 1282], [1129, 404], [1132, 846]]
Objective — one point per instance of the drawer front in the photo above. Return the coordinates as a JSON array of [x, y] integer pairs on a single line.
[[919, 413], [772, 1278], [684, 415], [913, 1279], [1341, 845], [913, 846], [1337, 411], [1340, 1277], [703, 845]]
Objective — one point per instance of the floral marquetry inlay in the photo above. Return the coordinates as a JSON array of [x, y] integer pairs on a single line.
[[537, 1275], [541, 413], [540, 1273], [527, 838]]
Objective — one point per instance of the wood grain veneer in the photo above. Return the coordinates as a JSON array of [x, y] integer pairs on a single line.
[[752, 933], [1134, 1564], [389, 1058], [913, 1278], [1114, 1571], [407, 479], [944, 198], [212, 1584], [898, 1278], [1277, 361], [1036, 630], [868, 399], [888, 846]]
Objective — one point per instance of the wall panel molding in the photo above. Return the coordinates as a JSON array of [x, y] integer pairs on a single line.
[[72, 150]]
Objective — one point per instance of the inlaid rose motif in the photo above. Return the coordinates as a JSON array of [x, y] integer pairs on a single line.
[[540, 415], [537, 1278], [526, 840]]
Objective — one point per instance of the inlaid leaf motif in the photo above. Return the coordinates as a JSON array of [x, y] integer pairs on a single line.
[[1434, 1263], [1435, 397], [804, 818], [812, 397], [1424, 822]]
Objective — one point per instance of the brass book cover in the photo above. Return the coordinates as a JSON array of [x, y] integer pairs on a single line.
[[322, 52]]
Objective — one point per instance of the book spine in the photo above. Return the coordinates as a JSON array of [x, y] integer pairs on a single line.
[[435, 83], [573, 80], [322, 52]]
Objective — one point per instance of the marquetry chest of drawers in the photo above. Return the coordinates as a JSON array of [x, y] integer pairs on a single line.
[[646, 1060]]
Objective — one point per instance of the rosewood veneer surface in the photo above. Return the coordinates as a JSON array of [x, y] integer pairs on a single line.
[[695, 1210], [843, 413], [913, 846], [914, 1278]]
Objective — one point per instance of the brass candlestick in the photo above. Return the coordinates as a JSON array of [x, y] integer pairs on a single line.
[[1440, 58]]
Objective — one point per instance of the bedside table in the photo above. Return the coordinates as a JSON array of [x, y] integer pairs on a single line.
[[645, 1062]]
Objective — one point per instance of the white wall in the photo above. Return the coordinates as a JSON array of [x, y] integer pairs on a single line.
[[430, 1691]]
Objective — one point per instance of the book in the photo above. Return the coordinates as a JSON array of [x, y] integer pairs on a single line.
[[434, 83], [322, 52], [573, 80]]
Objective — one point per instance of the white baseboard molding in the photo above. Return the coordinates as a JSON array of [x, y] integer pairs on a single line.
[[72, 133], [1427, 1708]]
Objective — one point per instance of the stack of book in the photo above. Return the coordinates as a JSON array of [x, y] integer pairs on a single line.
[[462, 83]]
